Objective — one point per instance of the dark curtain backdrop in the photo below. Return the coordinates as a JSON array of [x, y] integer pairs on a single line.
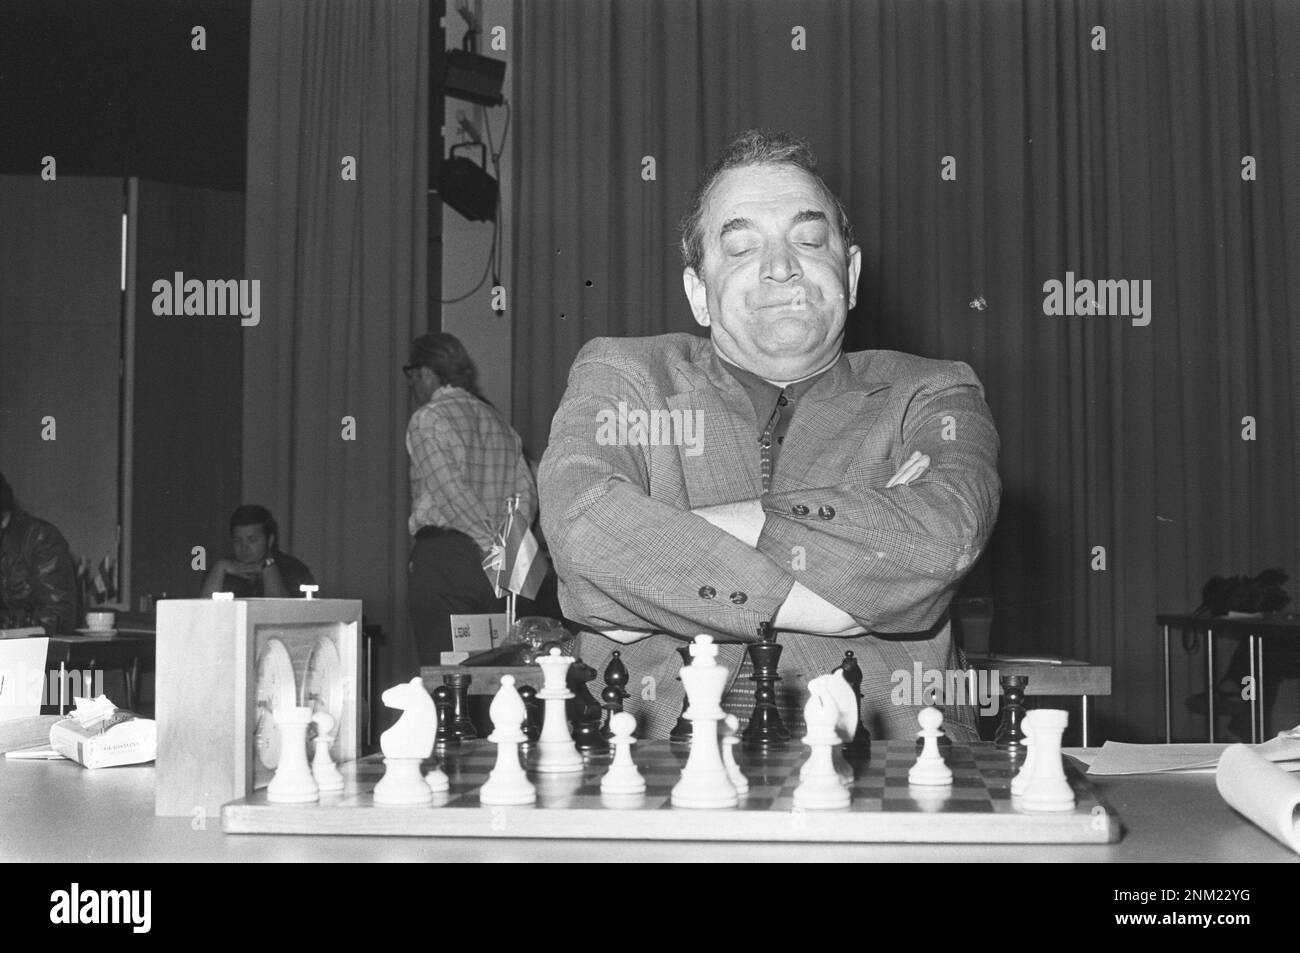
[[1116, 164], [342, 266]]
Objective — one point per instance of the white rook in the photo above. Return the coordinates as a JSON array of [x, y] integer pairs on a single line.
[[1048, 788]]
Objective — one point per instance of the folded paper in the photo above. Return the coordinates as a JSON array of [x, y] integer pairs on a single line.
[[1264, 793]]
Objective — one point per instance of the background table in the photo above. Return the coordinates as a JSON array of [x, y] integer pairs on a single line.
[[1256, 630], [1050, 678], [59, 811], [130, 650]]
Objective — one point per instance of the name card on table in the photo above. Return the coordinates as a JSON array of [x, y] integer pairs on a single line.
[[477, 633], [22, 676]]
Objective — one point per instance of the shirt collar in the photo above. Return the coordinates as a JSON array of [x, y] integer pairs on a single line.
[[763, 393], [764, 396]]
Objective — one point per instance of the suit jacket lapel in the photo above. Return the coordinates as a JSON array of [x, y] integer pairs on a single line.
[[727, 468], [815, 452]]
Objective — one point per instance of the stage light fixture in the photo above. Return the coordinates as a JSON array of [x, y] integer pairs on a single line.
[[466, 186]]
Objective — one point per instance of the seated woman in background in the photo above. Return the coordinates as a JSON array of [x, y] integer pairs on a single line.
[[258, 567]]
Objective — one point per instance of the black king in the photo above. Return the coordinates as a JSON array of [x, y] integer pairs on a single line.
[[766, 729]]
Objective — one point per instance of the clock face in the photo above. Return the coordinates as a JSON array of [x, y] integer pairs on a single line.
[[323, 685], [276, 692]]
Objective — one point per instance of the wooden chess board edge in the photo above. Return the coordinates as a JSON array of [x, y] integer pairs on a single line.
[[570, 808], [358, 815]]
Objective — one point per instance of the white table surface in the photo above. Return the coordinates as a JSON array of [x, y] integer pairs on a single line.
[[59, 811]]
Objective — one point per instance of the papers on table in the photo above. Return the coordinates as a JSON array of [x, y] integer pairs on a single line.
[[1117, 758], [26, 732], [1252, 779]]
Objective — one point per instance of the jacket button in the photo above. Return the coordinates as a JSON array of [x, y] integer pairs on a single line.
[[707, 592], [799, 510], [826, 512], [739, 598]]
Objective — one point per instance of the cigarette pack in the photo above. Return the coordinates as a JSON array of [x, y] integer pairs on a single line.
[[105, 737]]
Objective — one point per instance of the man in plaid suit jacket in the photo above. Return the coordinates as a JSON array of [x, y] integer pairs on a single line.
[[761, 475]]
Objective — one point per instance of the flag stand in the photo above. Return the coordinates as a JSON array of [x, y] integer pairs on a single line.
[[518, 552], [512, 505]]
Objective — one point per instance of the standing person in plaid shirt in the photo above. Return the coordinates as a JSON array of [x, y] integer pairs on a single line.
[[466, 461]]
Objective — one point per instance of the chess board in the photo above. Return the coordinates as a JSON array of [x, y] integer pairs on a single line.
[[977, 808]]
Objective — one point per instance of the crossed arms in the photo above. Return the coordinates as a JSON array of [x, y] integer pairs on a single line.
[[632, 554]]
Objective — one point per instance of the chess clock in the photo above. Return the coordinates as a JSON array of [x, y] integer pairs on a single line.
[[224, 669]]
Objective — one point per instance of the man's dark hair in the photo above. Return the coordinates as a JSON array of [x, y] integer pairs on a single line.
[[447, 357], [250, 514], [7, 504], [754, 147]]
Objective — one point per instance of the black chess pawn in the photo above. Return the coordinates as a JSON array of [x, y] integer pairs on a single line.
[[861, 743], [533, 723], [1010, 735], [460, 722], [681, 733], [766, 729], [445, 703], [583, 710]]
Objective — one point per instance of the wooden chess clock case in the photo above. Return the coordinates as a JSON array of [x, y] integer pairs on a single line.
[[224, 667]]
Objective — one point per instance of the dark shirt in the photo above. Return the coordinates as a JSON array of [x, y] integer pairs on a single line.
[[38, 581], [774, 409], [293, 571]]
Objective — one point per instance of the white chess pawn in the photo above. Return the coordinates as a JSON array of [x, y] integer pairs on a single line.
[[556, 753], [508, 783], [1021, 780], [406, 745], [930, 768], [1048, 788], [704, 782], [293, 782], [820, 785], [323, 768], [731, 738], [622, 776]]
